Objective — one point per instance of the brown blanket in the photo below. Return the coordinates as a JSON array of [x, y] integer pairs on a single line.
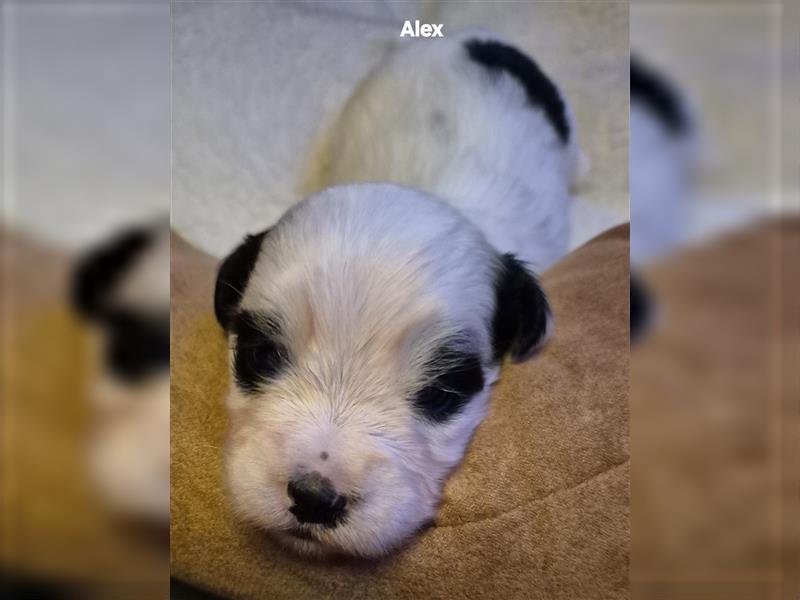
[[538, 509], [715, 392]]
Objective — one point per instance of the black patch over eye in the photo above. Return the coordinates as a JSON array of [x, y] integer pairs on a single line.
[[458, 377], [138, 345], [259, 355]]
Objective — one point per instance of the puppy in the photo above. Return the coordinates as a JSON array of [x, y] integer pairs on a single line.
[[665, 155], [121, 290], [368, 325], [666, 150]]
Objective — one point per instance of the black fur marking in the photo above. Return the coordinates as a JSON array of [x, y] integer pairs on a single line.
[[138, 345], [259, 355], [458, 377], [232, 278], [138, 342], [497, 57], [521, 311], [640, 308], [101, 269], [652, 90]]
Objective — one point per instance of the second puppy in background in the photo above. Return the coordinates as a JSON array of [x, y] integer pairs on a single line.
[[367, 326]]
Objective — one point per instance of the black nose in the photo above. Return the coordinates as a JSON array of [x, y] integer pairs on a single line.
[[315, 500]]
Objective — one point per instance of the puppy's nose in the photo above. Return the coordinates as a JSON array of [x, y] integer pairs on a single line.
[[315, 500]]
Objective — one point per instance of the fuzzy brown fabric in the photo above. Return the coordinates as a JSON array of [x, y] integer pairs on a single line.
[[715, 392], [538, 509]]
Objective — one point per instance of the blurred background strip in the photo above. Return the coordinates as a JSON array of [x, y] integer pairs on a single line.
[[716, 243], [86, 161]]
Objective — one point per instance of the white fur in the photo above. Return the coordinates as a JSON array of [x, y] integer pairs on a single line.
[[129, 446], [430, 118], [664, 168]]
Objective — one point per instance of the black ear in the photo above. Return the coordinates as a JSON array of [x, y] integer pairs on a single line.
[[640, 308], [522, 316], [101, 269], [232, 278]]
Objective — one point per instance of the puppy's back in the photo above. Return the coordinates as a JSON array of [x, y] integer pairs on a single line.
[[474, 121]]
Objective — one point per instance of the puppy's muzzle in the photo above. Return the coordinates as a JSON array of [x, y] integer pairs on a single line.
[[315, 500]]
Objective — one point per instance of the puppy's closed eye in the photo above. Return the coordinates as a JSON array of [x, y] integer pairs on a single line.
[[457, 377], [260, 355]]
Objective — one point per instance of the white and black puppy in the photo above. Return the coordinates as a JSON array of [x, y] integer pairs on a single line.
[[121, 289], [665, 154], [367, 326]]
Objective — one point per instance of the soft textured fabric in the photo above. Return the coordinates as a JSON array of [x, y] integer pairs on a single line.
[[257, 85], [715, 426], [538, 509]]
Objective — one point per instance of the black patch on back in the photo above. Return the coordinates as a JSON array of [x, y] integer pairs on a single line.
[[232, 278], [138, 341], [260, 355], [655, 92], [521, 311], [640, 308], [458, 377], [542, 93]]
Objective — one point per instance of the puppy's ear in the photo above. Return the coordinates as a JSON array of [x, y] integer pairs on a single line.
[[232, 278], [522, 320], [641, 309], [101, 269]]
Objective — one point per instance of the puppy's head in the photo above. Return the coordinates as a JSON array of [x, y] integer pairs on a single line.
[[121, 291], [365, 329]]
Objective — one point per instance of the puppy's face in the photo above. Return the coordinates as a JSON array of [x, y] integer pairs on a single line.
[[121, 290], [365, 330]]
